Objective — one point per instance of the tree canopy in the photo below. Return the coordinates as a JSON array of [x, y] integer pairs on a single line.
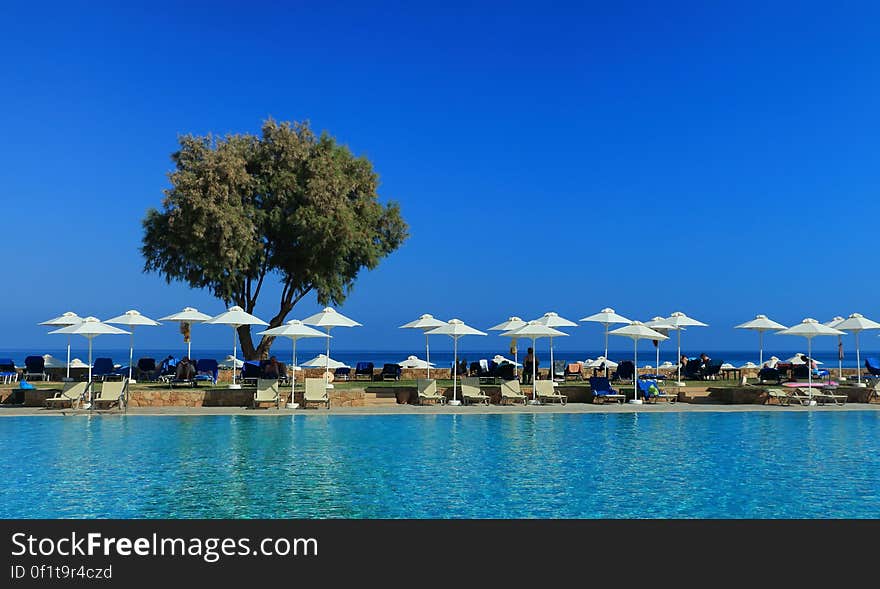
[[287, 204]]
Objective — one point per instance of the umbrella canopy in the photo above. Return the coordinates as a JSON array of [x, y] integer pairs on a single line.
[[761, 323], [324, 361], [606, 317], [295, 330], [681, 321], [637, 331], [455, 328], [810, 328], [534, 330], [552, 319], [748, 365], [235, 317], [188, 315], [426, 323], [798, 359], [49, 361], [413, 362], [727, 366], [857, 323], [77, 363], [230, 362], [598, 363], [67, 318], [90, 328], [131, 319], [509, 325], [329, 318], [499, 359]]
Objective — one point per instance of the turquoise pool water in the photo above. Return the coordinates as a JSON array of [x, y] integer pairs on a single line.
[[714, 465]]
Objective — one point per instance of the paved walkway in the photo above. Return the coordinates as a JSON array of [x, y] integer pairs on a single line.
[[570, 408]]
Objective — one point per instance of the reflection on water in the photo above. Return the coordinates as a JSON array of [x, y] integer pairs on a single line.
[[804, 464]]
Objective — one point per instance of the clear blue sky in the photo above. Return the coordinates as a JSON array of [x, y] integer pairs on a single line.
[[718, 158]]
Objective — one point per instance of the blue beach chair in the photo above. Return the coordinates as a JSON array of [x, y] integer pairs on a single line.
[[207, 370], [651, 391], [602, 390], [103, 368], [8, 373]]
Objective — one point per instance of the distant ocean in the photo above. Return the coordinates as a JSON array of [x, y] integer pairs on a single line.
[[441, 359]]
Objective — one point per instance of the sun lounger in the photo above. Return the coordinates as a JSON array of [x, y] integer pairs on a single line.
[[427, 389], [828, 395], [511, 392], [7, 371], [363, 371], [574, 371], [470, 391], [651, 391], [781, 396], [35, 368], [112, 391], [316, 392], [267, 392], [72, 393], [207, 370], [602, 390], [547, 392]]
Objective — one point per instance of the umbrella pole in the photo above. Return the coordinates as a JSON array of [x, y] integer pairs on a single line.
[[839, 358], [657, 367], [636, 371], [810, 365], [515, 359], [679, 356], [293, 370], [90, 373], [858, 360], [68, 358], [234, 351], [454, 365], [606, 351], [428, 356], [189, 350], [534, 370], [552, 365], [327, 362], [761, 346], [130, 351]]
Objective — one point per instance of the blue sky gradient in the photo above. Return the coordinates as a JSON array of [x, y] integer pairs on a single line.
[[716, 158]]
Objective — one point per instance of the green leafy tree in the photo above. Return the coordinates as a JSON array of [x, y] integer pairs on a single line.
[[287, 205]]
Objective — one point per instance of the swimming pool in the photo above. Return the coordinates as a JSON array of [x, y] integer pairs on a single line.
[[713, 465]]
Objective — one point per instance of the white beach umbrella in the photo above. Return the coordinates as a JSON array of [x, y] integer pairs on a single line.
[[659, 324], [230, 362], [189, 315], [235, 317], [509, 325], [799, 359], [455, 328], [748, 365], [499, 360], [534, 330], [810, 328], [77, 363], [131, 319], [681, 321], [63, 320], [553, 320], [837, 320], [295, 330], [50, 361], [637, 331], [329, 318], [857, 323], [324, 361], [414, 362], [426, 323], [761, 324], [90, 328], [599, 362], [606, 317]]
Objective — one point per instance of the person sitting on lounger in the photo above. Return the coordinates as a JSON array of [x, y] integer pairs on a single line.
[[186, 370], [272, 368], [704, 359]]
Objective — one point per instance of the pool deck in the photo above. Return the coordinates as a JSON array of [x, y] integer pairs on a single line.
[[571, 408]]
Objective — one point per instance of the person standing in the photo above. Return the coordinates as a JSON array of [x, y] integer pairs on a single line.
[[528, 362]]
